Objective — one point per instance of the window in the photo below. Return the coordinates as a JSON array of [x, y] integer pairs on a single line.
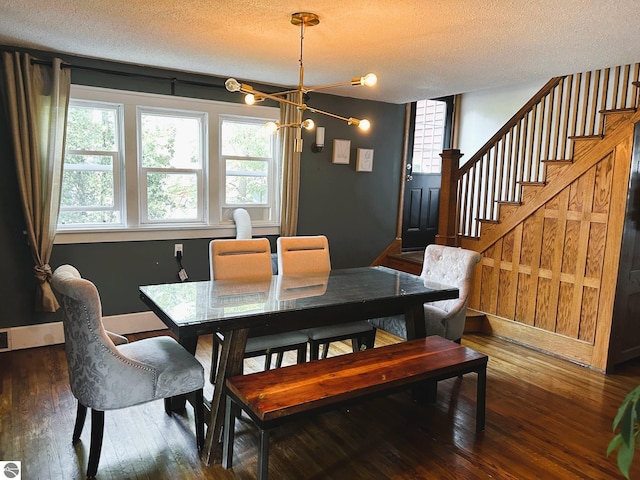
[[247, 152], [171, 158], [141, 166], [431, 117], [91, 193]]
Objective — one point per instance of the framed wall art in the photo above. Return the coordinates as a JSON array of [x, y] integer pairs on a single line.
[[364, 160], [341, 151]]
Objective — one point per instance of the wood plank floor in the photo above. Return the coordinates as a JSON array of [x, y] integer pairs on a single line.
[[546, 419]]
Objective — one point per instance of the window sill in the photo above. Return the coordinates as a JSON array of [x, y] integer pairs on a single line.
[[156, 233]]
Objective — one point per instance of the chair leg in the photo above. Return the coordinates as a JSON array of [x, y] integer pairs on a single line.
[[302, 353], [199, 415], [279, 358], [369, 340], [314, 350], [267, 360], [228, 432], [80, 417], [214, 359], [97, 430], [325, 350]]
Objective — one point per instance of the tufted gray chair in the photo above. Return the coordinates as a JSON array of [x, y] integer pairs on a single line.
[[449, 266], [104, 376]]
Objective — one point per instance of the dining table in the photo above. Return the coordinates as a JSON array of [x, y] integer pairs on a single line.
[[280, 303]]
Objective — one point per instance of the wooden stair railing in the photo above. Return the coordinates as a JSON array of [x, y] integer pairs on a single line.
[[541, 132]]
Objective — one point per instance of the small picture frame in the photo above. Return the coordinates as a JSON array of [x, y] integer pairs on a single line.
[[364, 160], [341, 151]]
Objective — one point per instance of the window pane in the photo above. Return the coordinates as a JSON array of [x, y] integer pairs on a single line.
[[89, 217], [429, 136], [172, 196], [245, 139], [243, 190], [91, 128], [169, 141], [87, 184], [246, 182]]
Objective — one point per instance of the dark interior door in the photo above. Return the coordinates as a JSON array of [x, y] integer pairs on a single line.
[[422, 190], [420, 211]]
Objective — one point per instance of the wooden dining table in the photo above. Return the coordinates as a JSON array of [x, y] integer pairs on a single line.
[[283, 303]]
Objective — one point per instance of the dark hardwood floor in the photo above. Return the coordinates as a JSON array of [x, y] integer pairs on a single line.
[[546, 419]]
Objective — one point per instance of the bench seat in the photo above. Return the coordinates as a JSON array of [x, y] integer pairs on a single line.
[[276, 396]]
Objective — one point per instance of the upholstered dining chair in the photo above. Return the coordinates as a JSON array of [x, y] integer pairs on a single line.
[[310, 254], [250, 259], [449, 266], [105, 376]]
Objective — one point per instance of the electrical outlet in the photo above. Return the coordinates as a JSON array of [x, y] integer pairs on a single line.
[[177, 248]]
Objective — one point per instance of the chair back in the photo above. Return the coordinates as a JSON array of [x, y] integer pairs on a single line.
[[243, 224], [99, 374], [233, 259], [450, 266], [304, 254]]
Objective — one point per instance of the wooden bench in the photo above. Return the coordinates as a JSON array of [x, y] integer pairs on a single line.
[[273, 397]]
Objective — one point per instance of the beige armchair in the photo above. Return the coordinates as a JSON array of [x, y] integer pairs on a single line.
[[446, 318], [233, 259], [310, 254], [104, 376]]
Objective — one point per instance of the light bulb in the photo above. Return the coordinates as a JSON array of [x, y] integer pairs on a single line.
[[250, 99], [364, 124], [271, 127], [369, 80], [308, 124], [232, 85]]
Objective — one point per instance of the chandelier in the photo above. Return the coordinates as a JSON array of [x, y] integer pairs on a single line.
[[301, 19]]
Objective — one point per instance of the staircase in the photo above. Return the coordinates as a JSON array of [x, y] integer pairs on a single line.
[[544, 201]]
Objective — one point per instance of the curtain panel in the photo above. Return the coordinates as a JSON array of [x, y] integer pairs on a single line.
[[290, 168], [36, 99]]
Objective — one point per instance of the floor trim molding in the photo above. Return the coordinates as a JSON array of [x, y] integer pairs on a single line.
[[31, 336]]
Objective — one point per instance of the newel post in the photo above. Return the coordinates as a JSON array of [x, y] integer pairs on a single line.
[[448, 212]]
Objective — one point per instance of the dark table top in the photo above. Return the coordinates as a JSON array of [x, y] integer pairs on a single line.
[[288, 302]]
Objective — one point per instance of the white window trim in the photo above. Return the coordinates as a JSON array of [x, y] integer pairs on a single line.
[[219, 222]]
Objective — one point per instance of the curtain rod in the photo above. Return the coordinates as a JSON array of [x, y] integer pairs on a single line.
[[173, 80]]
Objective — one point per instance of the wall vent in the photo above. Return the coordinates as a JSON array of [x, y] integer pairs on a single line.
[[4, 341]]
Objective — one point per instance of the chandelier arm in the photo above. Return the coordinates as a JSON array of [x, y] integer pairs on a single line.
[[332, 115], [252, 91], [331, 85]]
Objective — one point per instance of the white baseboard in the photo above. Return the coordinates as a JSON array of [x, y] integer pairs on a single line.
[[31, 336]]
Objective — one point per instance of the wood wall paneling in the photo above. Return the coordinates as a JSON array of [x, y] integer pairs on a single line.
[[547, 271]]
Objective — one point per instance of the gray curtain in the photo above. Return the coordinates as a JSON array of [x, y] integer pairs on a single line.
[[37, 99], [290, 168]]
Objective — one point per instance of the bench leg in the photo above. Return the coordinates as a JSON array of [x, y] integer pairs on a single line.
[[263, 455], [481, 399], [425, 392], [228, 434]]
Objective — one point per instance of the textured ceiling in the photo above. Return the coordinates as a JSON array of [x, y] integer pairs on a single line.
[[418, 48]]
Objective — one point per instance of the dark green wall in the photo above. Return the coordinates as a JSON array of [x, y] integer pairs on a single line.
[[356, 210]]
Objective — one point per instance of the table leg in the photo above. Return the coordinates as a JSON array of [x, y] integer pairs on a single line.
[[414, 319], [230, 364], [424, 392]]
